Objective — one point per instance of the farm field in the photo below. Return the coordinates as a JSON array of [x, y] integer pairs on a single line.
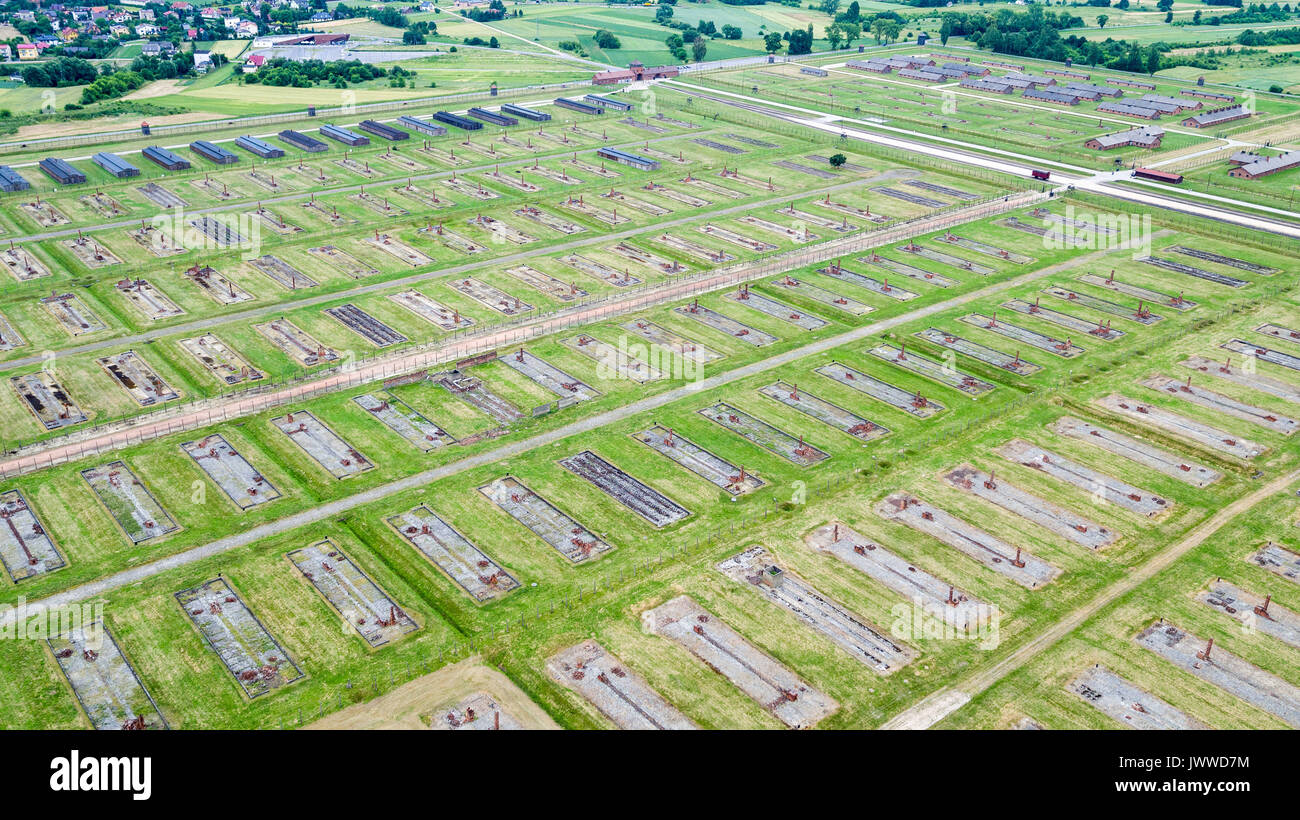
[[676, 417]]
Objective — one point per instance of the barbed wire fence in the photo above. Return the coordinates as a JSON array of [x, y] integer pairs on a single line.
[[461, 344]]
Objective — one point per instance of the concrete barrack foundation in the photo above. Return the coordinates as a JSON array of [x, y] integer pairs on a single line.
[[450, 551], [26, 547], [406, 422], [1140, 452], [645, 501], [1044, 513], [1224, 670], [296, 343], [322, 444], [240, 481], [756, 431], [129, 502], [103, 680], [620, 695], [717, 471], [864, 641], [824, 411], [1194, 431], [911, 403], [351, 593], [1103, 488], [240, 641], [1253, 612], [982, 547], [726, 324], [773, 686], [565, 535]]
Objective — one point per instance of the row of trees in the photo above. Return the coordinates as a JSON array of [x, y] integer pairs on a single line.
[[308, 73]]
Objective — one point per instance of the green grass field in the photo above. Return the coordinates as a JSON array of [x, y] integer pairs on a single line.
[[560, 602]]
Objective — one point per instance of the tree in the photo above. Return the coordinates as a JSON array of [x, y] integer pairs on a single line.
[[837, 160], [892, 29], [606, 39], [800, 41], [1165, 5], [830, 7], [732, 32], [852, 31], [413, 38], [878, 29], [852, 14], [1102, 19], [945, 31], [834, 35], [699, 48], [1153, 60], [772, 42]]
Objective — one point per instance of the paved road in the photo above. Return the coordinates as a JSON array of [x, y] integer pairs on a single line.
[[342, 506]]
